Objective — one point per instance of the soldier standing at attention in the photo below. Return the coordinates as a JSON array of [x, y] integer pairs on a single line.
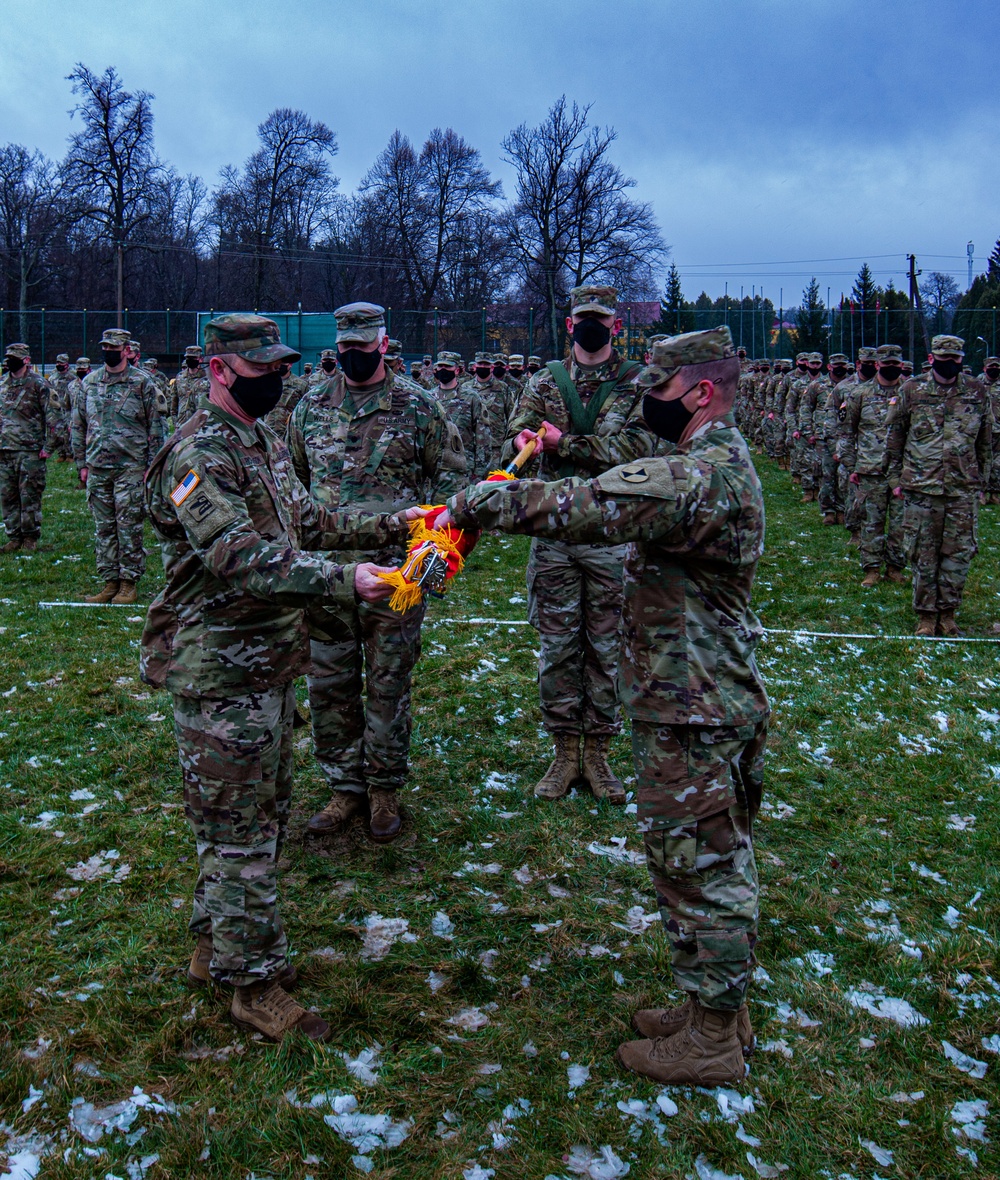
[[689, 681], [366, 441], [116, 431], [533, 365], [862, 448], [59, 406], [591, 411], [293, 389], [494, 395], [325, 369], [25, 442], [826, 423], [227, 637], [190, 385], [991, 379], [463, 407], [938, 457]]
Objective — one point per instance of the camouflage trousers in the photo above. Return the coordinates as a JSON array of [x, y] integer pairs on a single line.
[[236, 764], [22, 482], [994, 484], [833, 481], [853, 513], [363, 742], [769, 430], [699, 790], [575, 603], [882, 524], [810, 467], [940, 542], [60, 436], [115, 500]]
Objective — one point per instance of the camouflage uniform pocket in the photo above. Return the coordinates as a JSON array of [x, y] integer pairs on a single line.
[[204, 756]]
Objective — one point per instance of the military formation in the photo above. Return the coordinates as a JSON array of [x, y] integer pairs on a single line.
[[902, 460], [646, 521]]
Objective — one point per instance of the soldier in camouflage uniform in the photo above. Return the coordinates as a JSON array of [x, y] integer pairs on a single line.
[[227, 637], [325, 369], [864, 370], [496, 400], [534, 363], [364, 440], [765, 431], [811, 407], [59, 408], [116, 430], [25, 444], [591, 413], [516, 374], [689, 682], [826, 423], [991, 382], [189, 386], [862, 449], [807, 367], [938, 457], [293, 389], [462, 406]]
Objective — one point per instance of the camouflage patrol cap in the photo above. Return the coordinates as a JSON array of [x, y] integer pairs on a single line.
[[801, 356], [454, 359], [485, 358], [255, 338], [193, 350], [415, 366], [516, 358], [116, 337], [867, 354], [816, 358], [359, 322], [427, 358], [328, 354], [925, 367], [907, 366], [839, 358], [531, 358], [135, 345], [593, 299], [948, 346], [990, 360], [690, 348], [889, 352], [62, 358], [150, 362], [21, 351], [82, 362], [394, 349]]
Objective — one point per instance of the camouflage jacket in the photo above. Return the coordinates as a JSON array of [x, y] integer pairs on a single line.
[[59, 384], [620, 432], [319, 376], [187, 389], [292, 392], [115, 421], [26, 418], [939, 437], [796, 388], [232, 519], [993, 391], [389, 450], [862, 431], [811, 407], [463, 407], [497, 401], [696, 520]]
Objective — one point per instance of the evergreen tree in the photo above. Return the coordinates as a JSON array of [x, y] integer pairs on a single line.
[[810, 321], [672, 303], [864, 293], [993, 264]]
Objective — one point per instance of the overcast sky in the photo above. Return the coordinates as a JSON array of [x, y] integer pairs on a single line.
[[775, 139]]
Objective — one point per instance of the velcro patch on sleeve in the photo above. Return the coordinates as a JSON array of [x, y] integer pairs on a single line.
[[650, 478], [185, 488], [205, 513]]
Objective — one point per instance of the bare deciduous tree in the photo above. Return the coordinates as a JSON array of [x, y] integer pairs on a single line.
[[30, 218]]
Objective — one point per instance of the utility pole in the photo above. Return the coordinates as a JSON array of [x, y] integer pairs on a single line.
[[916, 307], [969, 251]]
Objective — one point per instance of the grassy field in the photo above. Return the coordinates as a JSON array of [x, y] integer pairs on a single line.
[[516, 935]]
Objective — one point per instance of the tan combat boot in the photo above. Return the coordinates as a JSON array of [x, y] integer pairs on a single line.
[[947, 626], [564, 769], [926, 622], [343, 806], [385, 818], [855, 538], [705, 1052], [105, 595], [830, 518], [893, 573], [808, 497], [29, 545], [198, 974], [871, 578], [125, 595], [840, 518], [604, 783], [664, 1022], [11, 547], [268, 1009]]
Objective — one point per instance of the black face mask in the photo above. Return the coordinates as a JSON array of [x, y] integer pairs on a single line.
[[867, 369], [499, 370], [444, 375], [328, 365], [516, 372], [484, 373], [890, 373], [803, 369], [667, 419], [62, 368], [359, 366], [815, 369], [192, 362], [284, 370], [838, 372], [993, 372], [13, 364], [590, 335], [256, 396], [82, 372], [946, 368], [112, 357], [533, 368]]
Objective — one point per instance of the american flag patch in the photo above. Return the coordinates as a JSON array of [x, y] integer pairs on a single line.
[[185, 488]]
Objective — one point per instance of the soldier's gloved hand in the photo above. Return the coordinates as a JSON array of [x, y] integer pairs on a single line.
[[367, 584]]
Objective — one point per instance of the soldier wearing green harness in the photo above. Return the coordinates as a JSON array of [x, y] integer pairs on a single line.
[[593, 421]]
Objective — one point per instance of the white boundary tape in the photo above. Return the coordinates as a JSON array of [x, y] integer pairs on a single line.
[[87, 605]]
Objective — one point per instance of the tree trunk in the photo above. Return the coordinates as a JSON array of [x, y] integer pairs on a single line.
[[22, 299]]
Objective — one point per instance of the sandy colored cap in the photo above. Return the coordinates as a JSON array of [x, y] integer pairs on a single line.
[[359, 323], [193, 350], [516, 358], [21, 351], [395, 349], [991, 360], [255, 338], [839, 358], [427, 357], [690, 348], [599, 300], [867, 354], [116, 337], [948, 346], [62, 358], [484, 358], [82, 362], [415, 366], [889, 352], [449, 358]]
